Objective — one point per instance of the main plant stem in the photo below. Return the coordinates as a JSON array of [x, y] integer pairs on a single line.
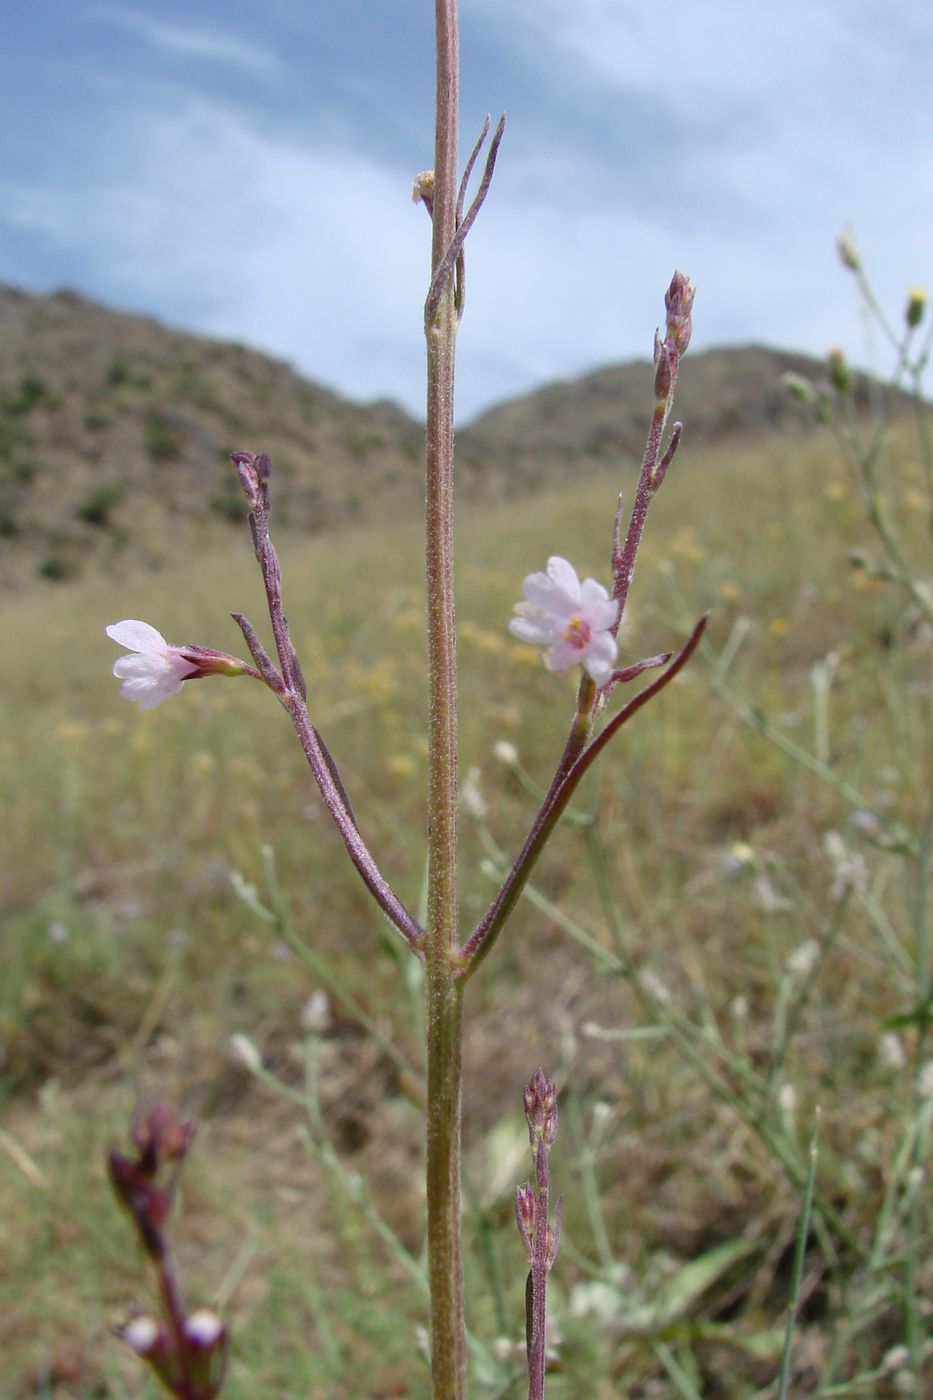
[[444, 990]]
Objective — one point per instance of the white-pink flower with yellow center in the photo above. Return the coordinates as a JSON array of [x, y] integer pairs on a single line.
[[573, 620], [155, 671]]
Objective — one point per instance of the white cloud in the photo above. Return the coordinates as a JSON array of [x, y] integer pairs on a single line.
[[207, 217], [215, 45], [318, 256]]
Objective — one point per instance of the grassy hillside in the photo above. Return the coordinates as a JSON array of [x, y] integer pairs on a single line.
[[656, 970], [601, 418], [115, 433]]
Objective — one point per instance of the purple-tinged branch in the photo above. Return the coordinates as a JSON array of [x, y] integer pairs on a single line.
[[257, 651], [475, 949], [289, 686], [653, 470], [335, 800]]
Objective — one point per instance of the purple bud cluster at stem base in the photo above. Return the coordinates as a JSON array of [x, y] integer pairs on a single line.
[[187, 1351]]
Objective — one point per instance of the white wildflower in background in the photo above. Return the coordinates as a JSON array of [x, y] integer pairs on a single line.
[[787, 1099], [850, 872], [739, 858], [925, 1080], [891, 1052], [472, 797], [506, 753], [894, 1359], [573, 620], [652, 984], [866, 823], [803, 960], [155, 670], [246, 1053], [315, 1014], [767, 898]]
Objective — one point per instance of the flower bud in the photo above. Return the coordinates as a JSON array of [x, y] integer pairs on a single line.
[[849, 254], [799, 387], [149, 1340], [526, 1207], [205, 1345], [664, 372], [422, 191], [678, 299], [142, 1334], [540, 1099], [247, 470], [916, 306], [212, 663], [840, 373]]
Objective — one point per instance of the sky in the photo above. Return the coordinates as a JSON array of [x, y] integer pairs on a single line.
[[244, 170]]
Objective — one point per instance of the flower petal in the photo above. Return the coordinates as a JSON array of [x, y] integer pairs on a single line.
[[529, 627], [539, 592], [601, 657], [137, 636], [564, 576]]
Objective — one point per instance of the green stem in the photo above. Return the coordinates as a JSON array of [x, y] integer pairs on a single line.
[[444, 996]]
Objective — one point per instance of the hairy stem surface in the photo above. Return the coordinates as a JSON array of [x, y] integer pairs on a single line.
[[444, 996]]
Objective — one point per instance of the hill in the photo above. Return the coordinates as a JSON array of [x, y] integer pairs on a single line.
[[602, 417], [115, 432]]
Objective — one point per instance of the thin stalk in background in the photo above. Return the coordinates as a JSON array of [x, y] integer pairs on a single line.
[[532, 1215]]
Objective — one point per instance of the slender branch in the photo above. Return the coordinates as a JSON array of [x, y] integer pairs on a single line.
[[452, 254], [289, 685], [257, 651], [472, 953], [468, 170], [652, 474], [334, 799]]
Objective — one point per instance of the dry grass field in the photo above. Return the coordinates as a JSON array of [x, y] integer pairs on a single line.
[[725, 942]]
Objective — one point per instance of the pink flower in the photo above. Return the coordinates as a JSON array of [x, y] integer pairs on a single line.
[[573, 620], [155, 670]]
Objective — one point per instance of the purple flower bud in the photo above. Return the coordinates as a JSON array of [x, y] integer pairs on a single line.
[[246, 465], [526, 1216], [678, 300], [143, 1334], [206, 1343], [540, 1100], [665, 362], [148, 1338]]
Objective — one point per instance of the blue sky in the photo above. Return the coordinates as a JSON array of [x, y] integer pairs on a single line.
[[245, 170]]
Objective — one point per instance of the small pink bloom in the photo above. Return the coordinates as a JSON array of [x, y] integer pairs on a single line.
[[573, 620], [155, 670]]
